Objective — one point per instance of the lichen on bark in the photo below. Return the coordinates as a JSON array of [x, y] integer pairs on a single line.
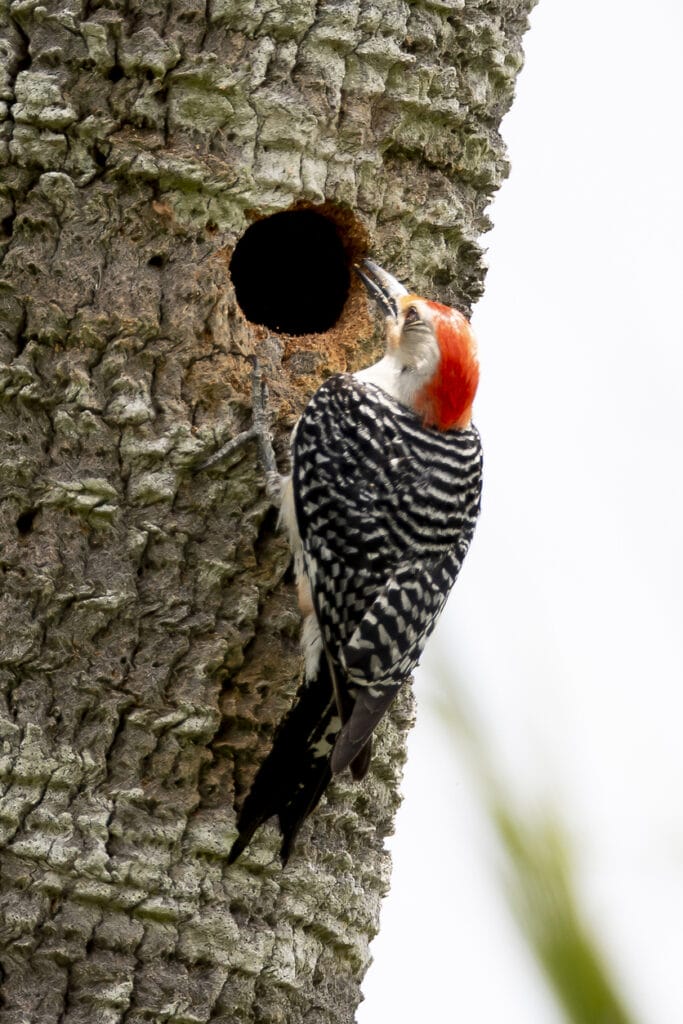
[[148, 634]]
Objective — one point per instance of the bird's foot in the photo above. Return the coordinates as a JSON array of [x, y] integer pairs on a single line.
[[258, 431]]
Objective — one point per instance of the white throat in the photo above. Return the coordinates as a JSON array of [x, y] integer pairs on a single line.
[[400, 379]]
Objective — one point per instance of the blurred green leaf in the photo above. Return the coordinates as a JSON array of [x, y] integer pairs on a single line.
[[540, 887], [545, 903]]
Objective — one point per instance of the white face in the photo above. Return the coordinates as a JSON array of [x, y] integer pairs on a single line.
[[413, 347], [412, 356]]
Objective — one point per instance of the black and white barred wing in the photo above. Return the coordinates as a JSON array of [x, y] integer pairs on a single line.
[[386, 510], [388, 641]]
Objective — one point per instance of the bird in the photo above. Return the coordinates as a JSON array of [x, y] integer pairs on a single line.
[[380, 508]]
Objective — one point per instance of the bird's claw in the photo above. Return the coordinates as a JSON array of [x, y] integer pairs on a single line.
[[258, 431]]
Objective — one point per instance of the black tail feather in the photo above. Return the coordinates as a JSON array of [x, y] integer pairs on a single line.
[[361, 762], [296, 772], [353, 743], [294, 814]]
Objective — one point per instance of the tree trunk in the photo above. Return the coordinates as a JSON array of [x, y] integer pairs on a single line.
[[148, 631]]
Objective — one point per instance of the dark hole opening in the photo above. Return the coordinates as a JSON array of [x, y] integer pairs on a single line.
[[24, 522], [290, 272], [156, 261]]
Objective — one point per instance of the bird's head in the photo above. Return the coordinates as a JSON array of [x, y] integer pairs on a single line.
[[433, 348]]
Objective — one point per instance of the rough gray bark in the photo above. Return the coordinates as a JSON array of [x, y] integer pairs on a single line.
[[148, 643]]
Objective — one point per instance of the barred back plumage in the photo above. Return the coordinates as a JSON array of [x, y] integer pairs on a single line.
[[393, 499], [386, 509]]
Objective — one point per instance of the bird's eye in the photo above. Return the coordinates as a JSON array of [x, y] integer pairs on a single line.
[[412, 316]]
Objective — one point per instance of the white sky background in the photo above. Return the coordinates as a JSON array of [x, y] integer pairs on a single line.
[[565, 630]]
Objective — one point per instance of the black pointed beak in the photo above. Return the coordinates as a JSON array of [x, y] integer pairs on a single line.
[[382, 287]]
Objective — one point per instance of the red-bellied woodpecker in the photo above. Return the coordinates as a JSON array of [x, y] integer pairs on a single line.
[[380, 508]]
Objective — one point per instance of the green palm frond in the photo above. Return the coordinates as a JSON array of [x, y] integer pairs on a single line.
[[540, 888]]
